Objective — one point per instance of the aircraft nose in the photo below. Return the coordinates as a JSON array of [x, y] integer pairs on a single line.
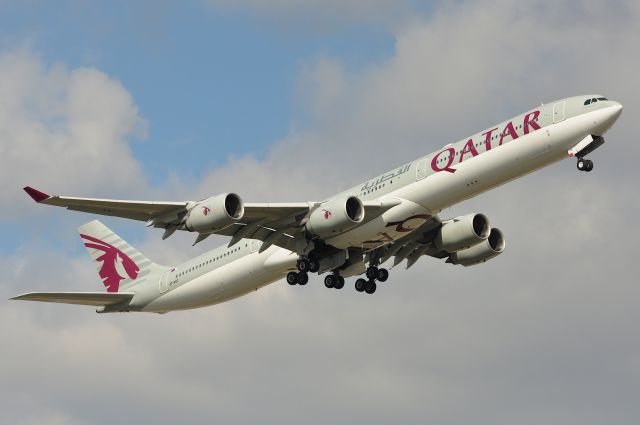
[[614, 113], [616, 110]]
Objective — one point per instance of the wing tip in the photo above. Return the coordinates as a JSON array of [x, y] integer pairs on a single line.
[[35, 194]]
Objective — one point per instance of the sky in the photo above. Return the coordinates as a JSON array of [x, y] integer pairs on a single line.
[[287, 100]]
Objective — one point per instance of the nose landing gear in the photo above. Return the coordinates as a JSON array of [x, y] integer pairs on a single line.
[[584, 164]]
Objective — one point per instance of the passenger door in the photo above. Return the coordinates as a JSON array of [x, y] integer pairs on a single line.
[[421, 169], [558, 112]]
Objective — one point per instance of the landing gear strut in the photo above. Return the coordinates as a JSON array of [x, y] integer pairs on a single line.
[[584, 164]]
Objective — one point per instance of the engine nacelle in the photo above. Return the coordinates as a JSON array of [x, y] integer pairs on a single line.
[[215, 213], [462, 232], [336, 216], [485, 250]]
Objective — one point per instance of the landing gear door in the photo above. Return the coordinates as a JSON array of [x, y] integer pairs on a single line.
[[558, 112]]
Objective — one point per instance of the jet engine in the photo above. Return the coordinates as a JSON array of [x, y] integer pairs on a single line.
[[462, 232], [485, 250], [215, 213], [336, 216]]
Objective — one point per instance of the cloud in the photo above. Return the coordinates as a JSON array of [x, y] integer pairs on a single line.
[[63, 128], [543, 333]]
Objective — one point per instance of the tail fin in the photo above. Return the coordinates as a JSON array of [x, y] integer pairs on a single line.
[[119, 264]]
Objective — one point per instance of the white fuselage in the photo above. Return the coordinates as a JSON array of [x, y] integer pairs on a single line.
[[425, 186]]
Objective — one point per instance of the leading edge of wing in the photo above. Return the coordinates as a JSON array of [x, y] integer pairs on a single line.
[[79, 298]]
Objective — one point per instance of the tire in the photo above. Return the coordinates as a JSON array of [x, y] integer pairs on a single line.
[[314, 266], [360, 284], [303, 278], [581, 164], [589, 165], [372, 272], [370, 287], [303, 265], [292, 278], [340, 283], [383, 275], [330, 281]]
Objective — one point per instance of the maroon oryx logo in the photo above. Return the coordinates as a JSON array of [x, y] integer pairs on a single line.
[[326, 214], [206, 210], [113, 261]]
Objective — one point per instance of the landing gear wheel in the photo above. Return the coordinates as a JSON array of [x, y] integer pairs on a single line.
[[383, 275], [360, 284], [581, 164], [292, 278], [330, 281], [370, 287], [314, 266], [589, 165], [340, 282], [303, 278], [372, 272], [303, 265]]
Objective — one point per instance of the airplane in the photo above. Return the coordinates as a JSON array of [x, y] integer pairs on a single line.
[[393, 215]]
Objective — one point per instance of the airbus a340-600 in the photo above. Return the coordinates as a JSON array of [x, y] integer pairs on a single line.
[[392, 217]]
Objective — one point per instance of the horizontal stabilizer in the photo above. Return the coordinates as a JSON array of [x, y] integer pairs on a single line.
[[80, 298]]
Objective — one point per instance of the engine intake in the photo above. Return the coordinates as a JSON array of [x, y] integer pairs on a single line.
[[215, 213], [462, 232], [336, 216], [491, 247]]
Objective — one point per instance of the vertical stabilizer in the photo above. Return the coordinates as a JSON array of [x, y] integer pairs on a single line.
[[118, 263]]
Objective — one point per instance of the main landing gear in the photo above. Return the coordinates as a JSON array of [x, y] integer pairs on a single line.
[[294, 278], [305, 266], [334, 281], [373, 273], [584, 164]]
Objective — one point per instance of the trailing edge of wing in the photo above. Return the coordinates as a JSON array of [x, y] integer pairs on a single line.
[[80, 298]]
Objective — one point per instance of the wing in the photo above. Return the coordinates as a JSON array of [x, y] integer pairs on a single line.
[[278, 224], [135, 210], [80, 298]]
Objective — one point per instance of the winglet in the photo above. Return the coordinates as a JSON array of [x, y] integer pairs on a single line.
[[36, 194]]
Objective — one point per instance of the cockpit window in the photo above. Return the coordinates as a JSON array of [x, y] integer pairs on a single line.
[[587, 102], [594, 100], [602, 98]]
